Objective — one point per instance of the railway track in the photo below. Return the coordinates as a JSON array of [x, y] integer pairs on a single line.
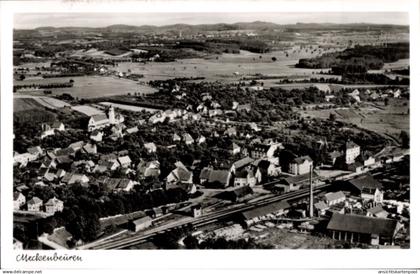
[[205, 219]]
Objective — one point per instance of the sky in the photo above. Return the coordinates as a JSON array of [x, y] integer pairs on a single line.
[[34, 20]]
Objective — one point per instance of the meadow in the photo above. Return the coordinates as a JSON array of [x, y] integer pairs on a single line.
[[91, 86]]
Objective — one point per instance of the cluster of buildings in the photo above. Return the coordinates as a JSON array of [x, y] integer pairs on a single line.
[[35, 204]]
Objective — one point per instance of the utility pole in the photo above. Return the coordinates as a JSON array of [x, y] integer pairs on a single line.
[[311, 194]]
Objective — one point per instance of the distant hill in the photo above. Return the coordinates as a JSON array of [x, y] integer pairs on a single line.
[[186, 28]]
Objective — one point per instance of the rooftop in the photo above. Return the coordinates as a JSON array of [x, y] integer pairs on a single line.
[[362, 224]]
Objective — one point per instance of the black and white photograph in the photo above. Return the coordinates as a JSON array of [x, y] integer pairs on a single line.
[[210, 131]]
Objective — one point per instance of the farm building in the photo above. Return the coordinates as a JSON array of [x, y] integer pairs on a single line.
[[367, 188], [255, 215], [357, 228]]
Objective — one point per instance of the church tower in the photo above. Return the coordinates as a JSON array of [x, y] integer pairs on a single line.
[[111, 115]]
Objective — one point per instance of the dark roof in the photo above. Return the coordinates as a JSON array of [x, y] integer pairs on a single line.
[[182, 174], [64, 151], [350, 144], [244, 173], [264, 210], [99, 117], [362, 224], [302, 159], [16, 195], [221, 176], [299, 179], [243, 162], [34, 200], [235, 194], [365, 182], [205, 173]]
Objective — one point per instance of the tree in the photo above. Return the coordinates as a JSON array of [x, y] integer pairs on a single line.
[[332, 117], [274, 59], [22, 77], [405, 139]]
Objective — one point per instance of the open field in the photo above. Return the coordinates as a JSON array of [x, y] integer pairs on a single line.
[[222, 67], [388, 120], [128, 107], [23, 103], [283, 239], [92, 86], [87, 110]]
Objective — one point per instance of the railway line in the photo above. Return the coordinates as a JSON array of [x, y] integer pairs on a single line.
[[131, 240]]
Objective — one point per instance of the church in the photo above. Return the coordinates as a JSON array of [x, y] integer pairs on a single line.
[[99, 121]]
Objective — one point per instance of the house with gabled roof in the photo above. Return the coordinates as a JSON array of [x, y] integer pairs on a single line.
[[367, 188], [377, 211], [320, 208], [235, 149], [201, 139], [124, 161], [18, 200], [176, 137], [242, 163], [351, 151], [36, 151], [332, 198], [76, 146], [54, 205], [97, 135], [150, 147], [179, 175], [245, 177], [34, 204], [148, 169], [219, 178], [188, 140], [300, 165], [90, 148], [71, 178]]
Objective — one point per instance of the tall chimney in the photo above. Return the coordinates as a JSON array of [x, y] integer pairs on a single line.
[[311, 194]]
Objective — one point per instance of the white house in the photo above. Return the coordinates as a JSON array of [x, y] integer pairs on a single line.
[[18, 200], [54, 205], [245, 178], [179, 175], [188, 139], [300, 165], [36, 151], [124, 161], [24, 158], [176, 137], [17, 245], [201, 139], [352, 150], [333, 198], [97, 136], [34, 204], [235, 149], [150, 147]]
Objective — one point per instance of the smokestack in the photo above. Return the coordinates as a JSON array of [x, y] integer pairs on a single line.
[[311, 194]]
